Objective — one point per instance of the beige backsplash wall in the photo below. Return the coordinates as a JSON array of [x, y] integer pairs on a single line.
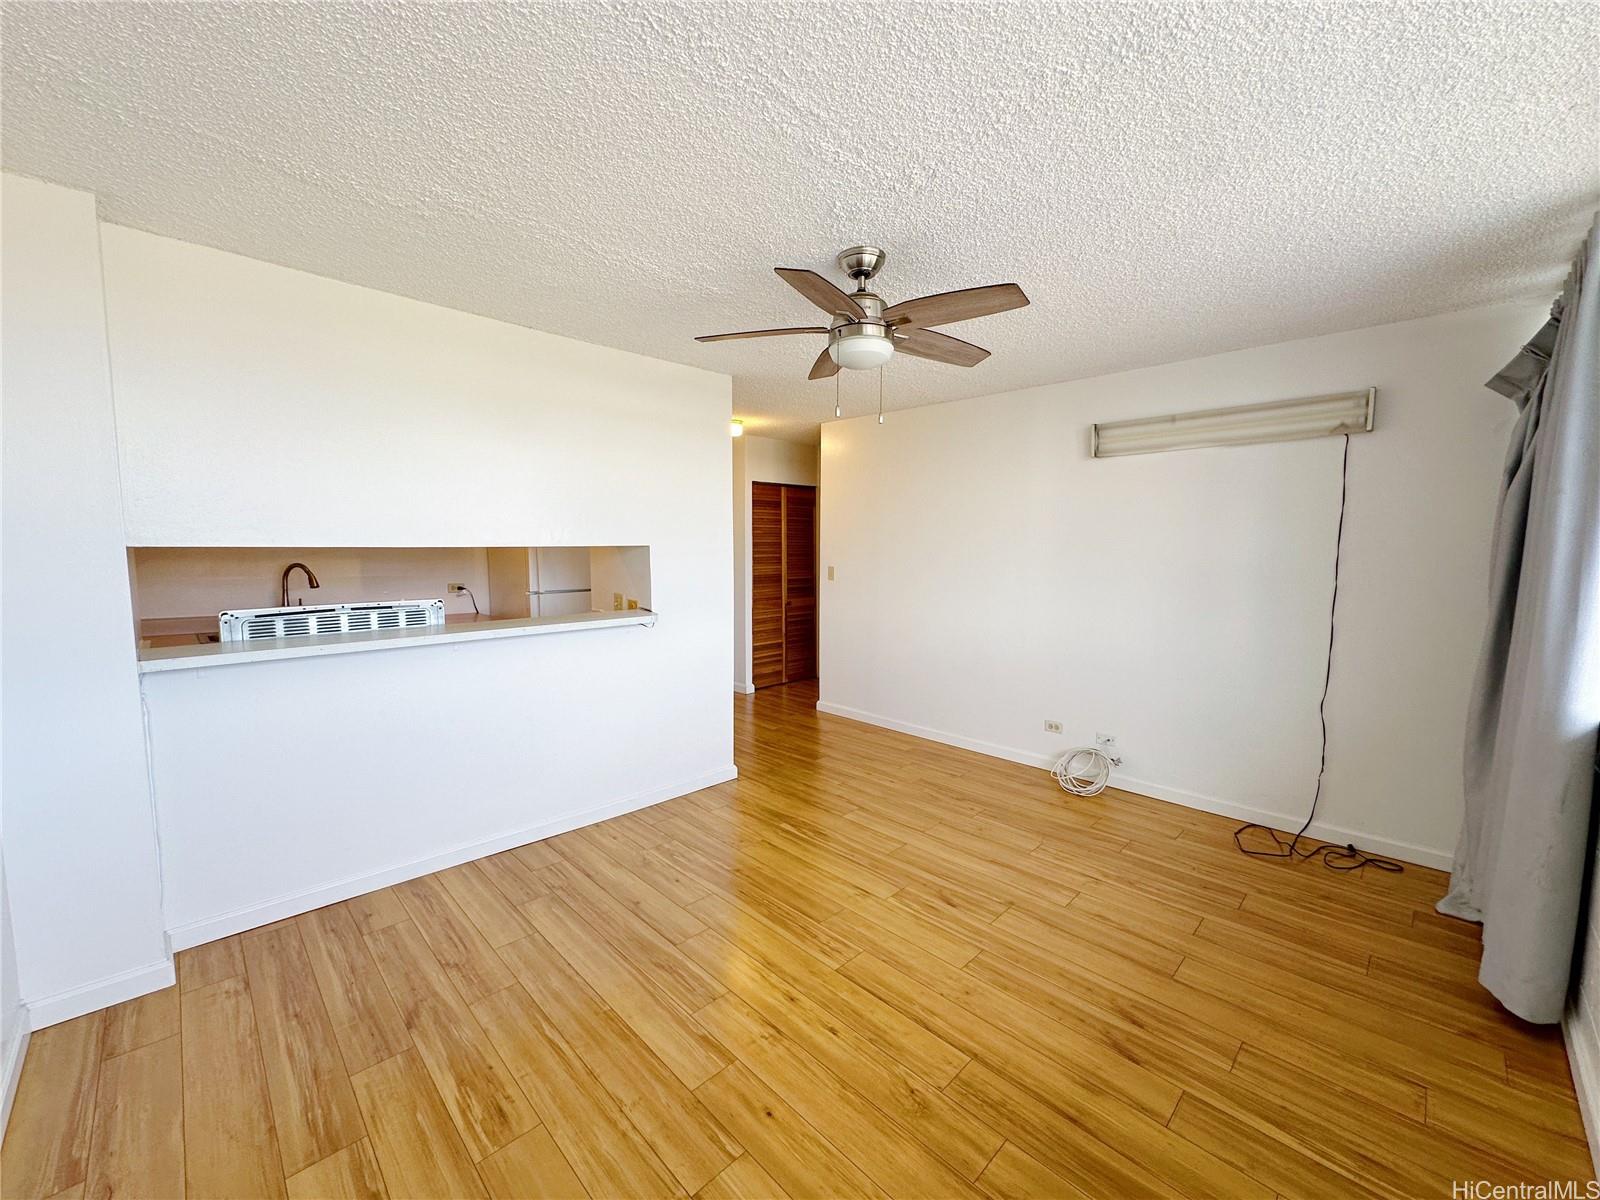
[[201, 581]]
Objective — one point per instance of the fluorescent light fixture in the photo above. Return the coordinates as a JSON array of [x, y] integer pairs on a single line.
[[736, 429], [1275, 421]]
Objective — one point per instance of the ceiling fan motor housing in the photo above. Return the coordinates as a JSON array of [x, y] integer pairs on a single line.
[[861, 263], [861, 343]]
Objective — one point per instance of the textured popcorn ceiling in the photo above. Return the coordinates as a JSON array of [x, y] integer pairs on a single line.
[[1165, 180]]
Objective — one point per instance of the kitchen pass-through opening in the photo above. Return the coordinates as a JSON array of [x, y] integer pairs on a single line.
[[185, 595]]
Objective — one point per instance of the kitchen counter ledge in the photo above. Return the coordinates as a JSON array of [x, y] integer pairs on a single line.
[[223, 654]]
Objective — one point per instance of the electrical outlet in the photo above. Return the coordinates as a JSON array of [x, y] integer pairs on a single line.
[[632, 604], [830, 574], [455, 589], [616, 601], [1052, 726]]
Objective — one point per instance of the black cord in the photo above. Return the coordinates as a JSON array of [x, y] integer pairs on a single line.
[[470, 596], [1336, 858]]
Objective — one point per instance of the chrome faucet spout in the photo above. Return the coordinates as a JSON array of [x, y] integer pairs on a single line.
[[311, 580]]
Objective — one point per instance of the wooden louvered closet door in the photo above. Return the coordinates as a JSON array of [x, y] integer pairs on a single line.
[[799, 583], [766, 583], [783, 583]]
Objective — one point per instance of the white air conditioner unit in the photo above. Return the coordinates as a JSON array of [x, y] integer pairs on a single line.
[[1275, 421]]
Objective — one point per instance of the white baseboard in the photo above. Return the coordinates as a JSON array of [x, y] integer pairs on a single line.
[[102, 993], [992, 749], [1424, 856], [11, 1070], [195, 933], [152, 977], [743, 689], [1583, 1057]]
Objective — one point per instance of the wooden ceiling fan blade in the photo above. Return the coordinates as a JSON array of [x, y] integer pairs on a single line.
[[728, 337], [820, 292], [940, 347], [947, 307], [823, 367]]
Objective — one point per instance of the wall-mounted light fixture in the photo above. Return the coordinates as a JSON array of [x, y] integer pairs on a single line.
[[736, 429], [1275, 421]]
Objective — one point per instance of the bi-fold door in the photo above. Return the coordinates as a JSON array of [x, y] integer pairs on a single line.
[[783, 592]]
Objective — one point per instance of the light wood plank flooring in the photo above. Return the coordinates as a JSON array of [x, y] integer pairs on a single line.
[[873, 966]]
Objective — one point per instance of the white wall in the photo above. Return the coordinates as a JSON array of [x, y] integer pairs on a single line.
[[13, 1013], [991, 576], [194, 582], [1581, 1024], [757, 460], [80, 846], [618, 570], [262, 406]]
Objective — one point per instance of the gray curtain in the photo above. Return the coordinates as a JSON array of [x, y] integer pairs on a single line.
[[1531, 729]]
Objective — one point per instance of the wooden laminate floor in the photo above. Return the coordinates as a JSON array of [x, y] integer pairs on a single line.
[[873, 966]]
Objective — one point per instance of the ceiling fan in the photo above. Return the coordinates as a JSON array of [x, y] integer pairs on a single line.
[[864, 333]]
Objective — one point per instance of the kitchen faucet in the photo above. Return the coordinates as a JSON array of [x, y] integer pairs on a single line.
[[311, 579]]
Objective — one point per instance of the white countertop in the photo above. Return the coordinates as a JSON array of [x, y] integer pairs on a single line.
[[220, 654]]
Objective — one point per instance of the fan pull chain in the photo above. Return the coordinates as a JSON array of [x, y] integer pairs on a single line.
[[880, 395], [836, 410]]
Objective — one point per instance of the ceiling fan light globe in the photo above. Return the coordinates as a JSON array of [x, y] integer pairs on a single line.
[[861, 351]]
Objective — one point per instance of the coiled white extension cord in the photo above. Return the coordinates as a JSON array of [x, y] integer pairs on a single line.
[[1083, 772]]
